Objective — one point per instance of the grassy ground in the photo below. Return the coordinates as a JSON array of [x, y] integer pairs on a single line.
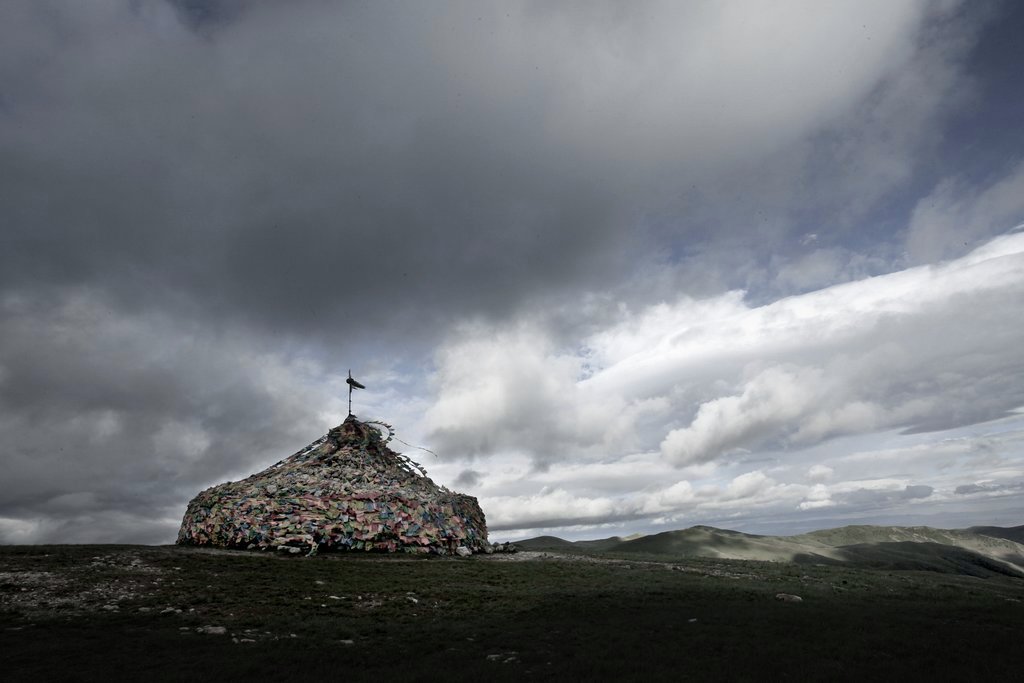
[[83, 613]]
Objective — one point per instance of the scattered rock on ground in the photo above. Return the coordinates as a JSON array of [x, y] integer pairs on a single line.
[[504, 657]]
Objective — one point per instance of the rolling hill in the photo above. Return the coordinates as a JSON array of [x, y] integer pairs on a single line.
[[978, 551], [1013, 533]]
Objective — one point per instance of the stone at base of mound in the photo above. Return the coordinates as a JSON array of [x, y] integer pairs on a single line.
[[346, 491]]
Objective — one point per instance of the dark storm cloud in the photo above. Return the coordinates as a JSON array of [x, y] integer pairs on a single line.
[[285, 166], [188, 190], [112, 419], [870, 498], [469, 478], [207, 205], [969, 489], [297, 166], [209, 15]]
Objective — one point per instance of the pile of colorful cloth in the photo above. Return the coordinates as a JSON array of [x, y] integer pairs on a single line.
[[345, 491]]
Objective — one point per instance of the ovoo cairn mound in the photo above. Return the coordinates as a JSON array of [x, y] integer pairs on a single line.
[[345, 491]]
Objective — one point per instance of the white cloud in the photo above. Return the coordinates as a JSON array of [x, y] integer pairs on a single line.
[[931, 347], [820, 473], [719, 63], [550, 507], [512, 390], [769, 402], [674, 497], [748, 485], [708, 385], [818, 497]]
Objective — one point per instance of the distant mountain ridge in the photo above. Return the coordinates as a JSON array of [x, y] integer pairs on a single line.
[[977, 551], [1013, 533]]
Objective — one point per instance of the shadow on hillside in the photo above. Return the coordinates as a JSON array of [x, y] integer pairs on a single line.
[[915, 556]]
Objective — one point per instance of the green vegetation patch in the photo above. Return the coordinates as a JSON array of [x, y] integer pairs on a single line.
[[171, 613]]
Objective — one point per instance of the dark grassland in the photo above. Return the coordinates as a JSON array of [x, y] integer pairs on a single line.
[[542, 616]]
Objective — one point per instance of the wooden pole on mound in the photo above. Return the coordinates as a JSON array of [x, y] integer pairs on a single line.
[[352, 384]]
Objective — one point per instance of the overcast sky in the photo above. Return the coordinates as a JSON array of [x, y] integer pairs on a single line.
[[624, 266]]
